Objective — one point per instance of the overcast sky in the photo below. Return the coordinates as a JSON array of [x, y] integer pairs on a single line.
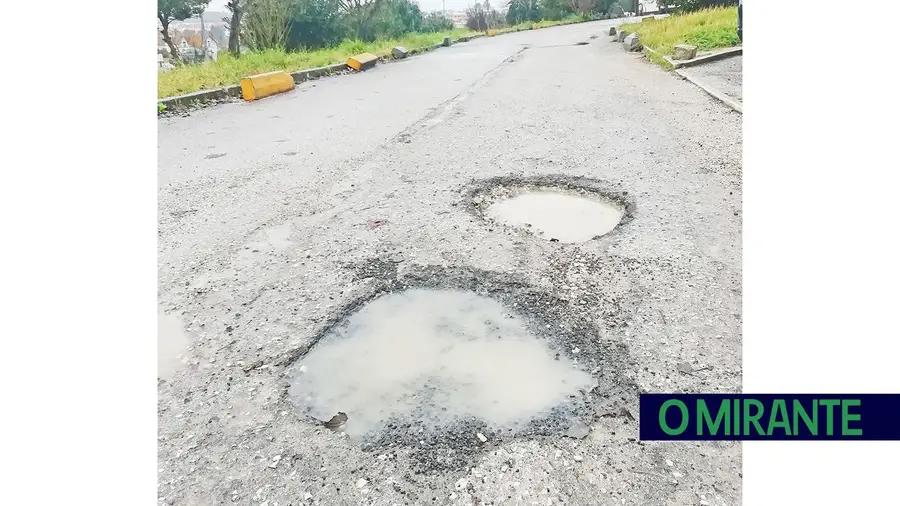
[[426, 5]]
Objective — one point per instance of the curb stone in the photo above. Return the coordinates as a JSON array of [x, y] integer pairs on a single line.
[[315, 73], [233, 91]]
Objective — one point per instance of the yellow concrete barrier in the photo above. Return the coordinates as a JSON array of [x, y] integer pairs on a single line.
[[534, 26], [263, 85], [491, 33], [363, 61]]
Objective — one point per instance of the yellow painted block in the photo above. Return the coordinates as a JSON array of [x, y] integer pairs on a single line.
[[362, 61], [491, 33], [263, 85], [534, 26]]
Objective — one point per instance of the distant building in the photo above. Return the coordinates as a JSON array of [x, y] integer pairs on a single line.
[[458, 17]]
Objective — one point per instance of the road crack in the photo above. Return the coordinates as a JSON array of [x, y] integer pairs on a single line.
[[440, 113]]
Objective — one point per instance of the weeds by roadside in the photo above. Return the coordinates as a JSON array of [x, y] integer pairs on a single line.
[[707, 29]]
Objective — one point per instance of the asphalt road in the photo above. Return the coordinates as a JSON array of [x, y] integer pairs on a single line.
[[264, 243]]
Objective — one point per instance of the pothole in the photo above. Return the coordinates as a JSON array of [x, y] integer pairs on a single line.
[[555, 207], [436, 358], [558, 216], [463, 310]]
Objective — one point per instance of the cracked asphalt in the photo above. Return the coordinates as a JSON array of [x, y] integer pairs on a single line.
[[266, 241]]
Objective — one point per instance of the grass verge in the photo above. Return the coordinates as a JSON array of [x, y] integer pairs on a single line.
[[229, 70], [707, 29]]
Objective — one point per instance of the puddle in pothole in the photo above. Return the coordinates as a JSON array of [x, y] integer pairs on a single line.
[[172, 343], [433, 356], [560, 216]]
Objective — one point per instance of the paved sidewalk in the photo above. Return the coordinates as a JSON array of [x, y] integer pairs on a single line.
[[725, 76]]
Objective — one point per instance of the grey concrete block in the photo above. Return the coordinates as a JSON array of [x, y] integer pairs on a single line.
[[315, 73], [632, 43], [620, 36], [612, 30], [446, 41], [684, 52], [399, 52], [202, 96]]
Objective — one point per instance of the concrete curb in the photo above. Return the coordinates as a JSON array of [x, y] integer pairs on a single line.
[[677, 64], [233, 91], [306, 75], [725, 99]]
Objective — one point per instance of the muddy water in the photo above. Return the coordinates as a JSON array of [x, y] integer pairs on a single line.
[[432, 355], [567, 218], [172, 343]]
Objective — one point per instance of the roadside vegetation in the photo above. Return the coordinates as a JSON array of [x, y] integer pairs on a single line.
[[292, 35], [707, 28], [229, 69]]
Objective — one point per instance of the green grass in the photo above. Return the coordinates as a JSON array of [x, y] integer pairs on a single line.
[[229, 70], [707, 29]]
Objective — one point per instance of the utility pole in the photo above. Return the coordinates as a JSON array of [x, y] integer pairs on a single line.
[[202, 37]]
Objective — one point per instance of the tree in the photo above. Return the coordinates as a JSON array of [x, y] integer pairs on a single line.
[[315, 24], [360, 14], [582, 7], [520, 11], [476, 18], [393, 18], [172, 10], [436, 22], [491, 15], [554, 9], [482, 17], [234, 26]]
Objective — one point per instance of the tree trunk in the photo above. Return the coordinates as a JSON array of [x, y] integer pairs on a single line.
[[234, 40], [168, 40]]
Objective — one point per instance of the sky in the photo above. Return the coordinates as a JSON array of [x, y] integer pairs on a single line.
[[426, 5]]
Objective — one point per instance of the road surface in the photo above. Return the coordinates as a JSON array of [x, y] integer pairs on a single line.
[[276, 216]]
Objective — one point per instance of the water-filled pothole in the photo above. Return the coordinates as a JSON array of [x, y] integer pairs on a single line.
[[557, 207], [558, 216], [434, 357]]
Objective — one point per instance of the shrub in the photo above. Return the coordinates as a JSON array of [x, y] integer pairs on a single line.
[[436, 22], [315, 24]]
